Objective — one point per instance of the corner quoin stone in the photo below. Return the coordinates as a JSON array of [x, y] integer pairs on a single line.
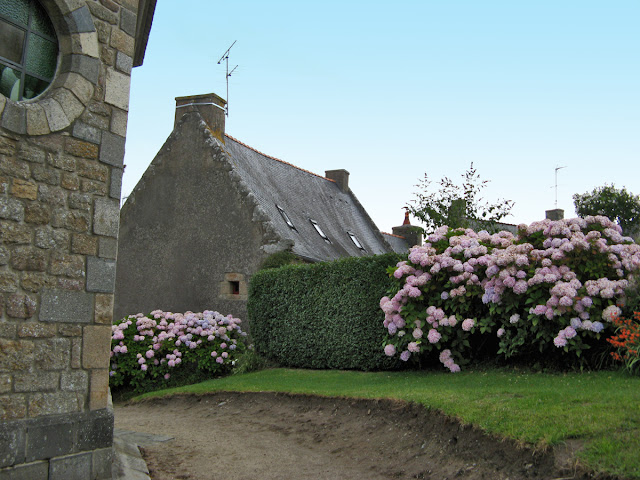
[[101, 275], [117, 90], [96, 341], [106, 217], [112, 149]]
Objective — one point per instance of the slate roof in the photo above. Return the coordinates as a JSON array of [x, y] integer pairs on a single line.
[[305, 196], [397, 243]]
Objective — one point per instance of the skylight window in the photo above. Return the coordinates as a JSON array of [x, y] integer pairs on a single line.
[[285, 217], [319, 230], [355, 240]]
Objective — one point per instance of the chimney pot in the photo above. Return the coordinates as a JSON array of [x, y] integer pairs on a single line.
[[211, 108]]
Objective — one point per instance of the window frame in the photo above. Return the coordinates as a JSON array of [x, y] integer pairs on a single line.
[[285, 217], [356, 241], [320, 231], [29, 31]]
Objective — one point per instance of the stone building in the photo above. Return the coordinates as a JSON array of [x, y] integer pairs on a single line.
[[209, 209], [65, 68]]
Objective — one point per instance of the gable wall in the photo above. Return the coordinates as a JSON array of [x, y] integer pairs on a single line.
[[60, 175], [185, 229]]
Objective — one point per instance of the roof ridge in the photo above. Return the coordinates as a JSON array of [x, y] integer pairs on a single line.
[[393, 235], [276, 159]]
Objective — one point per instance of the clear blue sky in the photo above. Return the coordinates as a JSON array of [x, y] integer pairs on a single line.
[[392, 90]]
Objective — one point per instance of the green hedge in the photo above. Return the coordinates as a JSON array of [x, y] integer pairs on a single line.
[[324, 315]]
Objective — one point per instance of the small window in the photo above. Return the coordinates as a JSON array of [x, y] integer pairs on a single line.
[[234, 288], [28, 49], [285, 217], [319, 230], [355, 240]]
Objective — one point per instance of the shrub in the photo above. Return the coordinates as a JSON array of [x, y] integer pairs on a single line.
[[251, 361], [632, 297], [322, 315], [552, 288], [164, 349], [280, 259], [627, 342]]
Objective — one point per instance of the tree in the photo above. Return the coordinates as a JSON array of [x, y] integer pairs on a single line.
[[619, 205], [458, 206]]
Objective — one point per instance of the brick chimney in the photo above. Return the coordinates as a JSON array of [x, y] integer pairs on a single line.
[[410, 233], [211, 108], [556, 214], [341, 177]]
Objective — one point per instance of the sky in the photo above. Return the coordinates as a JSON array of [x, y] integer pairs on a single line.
[[391, 91]]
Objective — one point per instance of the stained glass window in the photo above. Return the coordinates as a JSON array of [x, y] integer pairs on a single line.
[[28, 49]]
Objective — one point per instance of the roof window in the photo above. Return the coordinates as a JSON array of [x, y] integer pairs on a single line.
[[355, 240], [285, 217], [319, 230]]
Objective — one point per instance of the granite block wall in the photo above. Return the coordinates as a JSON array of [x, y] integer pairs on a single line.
[[61, 164]]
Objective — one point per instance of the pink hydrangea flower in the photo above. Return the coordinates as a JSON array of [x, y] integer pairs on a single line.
[[468, 324], [390, 350], [560, 341], [433, 336]]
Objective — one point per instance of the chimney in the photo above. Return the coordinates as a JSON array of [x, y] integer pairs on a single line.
[[410, 233], [341, 177], [211, 108], [557, 214]]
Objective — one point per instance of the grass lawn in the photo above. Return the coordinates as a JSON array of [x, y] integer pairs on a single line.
[[600, 408]]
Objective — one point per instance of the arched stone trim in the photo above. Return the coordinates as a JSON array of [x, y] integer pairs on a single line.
[[75, 79]]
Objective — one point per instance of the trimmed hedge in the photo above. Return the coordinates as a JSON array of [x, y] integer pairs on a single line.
[[324, 315]]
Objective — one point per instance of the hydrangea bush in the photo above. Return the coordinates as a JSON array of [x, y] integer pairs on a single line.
[[163, 349], [552, 287]]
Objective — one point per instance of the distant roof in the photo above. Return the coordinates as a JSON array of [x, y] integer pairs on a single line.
[[398, 244], [304, 206]]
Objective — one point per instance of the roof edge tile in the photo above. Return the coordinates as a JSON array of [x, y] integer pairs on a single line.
[[393, 235]]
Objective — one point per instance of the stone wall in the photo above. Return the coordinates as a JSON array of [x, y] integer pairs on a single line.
[[61, 168], [175, 257]]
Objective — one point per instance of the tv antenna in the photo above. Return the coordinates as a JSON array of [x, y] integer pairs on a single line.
[[556, 186], [225, 57]]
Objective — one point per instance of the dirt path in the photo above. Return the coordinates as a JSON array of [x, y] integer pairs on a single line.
[[235, 436]]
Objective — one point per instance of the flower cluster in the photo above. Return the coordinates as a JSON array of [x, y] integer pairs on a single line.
[[627, 341], [153, 346], [553, 280]]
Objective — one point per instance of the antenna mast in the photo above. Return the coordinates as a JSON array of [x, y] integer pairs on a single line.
[[556, 187], [225, 57]]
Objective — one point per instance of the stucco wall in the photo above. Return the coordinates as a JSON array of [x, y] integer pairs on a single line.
[[61, 166], [185, 229]]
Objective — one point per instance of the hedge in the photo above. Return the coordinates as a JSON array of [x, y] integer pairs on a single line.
[[323, 315]]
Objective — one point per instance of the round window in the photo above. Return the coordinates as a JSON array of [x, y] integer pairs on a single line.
[[28, 49]]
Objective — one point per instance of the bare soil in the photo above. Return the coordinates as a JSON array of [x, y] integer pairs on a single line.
[[270, 436]]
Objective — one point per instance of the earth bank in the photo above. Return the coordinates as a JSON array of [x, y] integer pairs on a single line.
[[272, 436]]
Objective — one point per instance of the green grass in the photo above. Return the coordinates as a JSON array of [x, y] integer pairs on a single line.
[[602, 409]]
